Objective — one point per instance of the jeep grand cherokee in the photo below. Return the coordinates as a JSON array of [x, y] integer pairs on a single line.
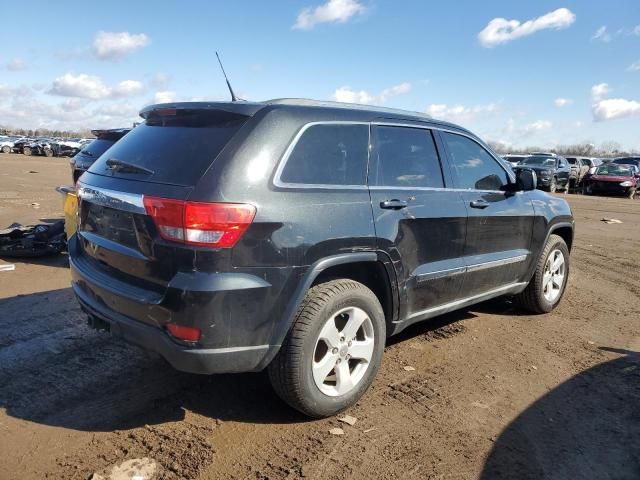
[[296, 236]]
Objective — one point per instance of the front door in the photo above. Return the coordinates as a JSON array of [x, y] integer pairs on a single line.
[[497, 249], [419, 223]]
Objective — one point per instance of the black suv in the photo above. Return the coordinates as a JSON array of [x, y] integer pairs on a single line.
[[297, 236], [553, 171], [82, 160]]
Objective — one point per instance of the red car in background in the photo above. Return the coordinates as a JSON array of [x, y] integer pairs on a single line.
[[612, 179]]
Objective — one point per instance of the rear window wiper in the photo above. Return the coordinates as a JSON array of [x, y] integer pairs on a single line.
[[122, 166]]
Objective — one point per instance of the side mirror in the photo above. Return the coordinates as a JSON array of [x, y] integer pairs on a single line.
[[526, 180]]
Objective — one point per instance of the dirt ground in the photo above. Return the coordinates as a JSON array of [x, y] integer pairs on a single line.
[[494, 393]]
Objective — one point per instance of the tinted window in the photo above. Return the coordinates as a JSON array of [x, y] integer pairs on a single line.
[[96, 148], [473, 166], [329, 154], [587, 162], [178, 148], [404, 157]]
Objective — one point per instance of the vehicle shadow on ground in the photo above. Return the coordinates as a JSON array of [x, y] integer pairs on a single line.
[[60, 260], [588, 427]]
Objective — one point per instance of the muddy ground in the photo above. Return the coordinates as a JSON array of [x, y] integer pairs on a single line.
[[494, 393]]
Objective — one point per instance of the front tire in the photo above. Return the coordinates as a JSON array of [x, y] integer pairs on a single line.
[[48, 152], [547, 286], [6, 149], [553, 185], [27, 151], [333, 351]]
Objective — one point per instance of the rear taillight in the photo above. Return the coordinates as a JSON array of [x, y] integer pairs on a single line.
[[196, 223]]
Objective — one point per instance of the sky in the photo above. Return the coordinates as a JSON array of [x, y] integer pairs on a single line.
[[522, 73]]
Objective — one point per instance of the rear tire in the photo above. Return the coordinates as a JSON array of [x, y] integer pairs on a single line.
[[26, 151], [333, 350], [48, 152], [6, 149], [547, 286]]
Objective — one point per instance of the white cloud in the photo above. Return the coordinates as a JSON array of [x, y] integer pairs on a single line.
[[600, 90], [92, 87], [602, 35], [334, 11], [16, 65], [562, 102], [115, 45], [634, 67], [614, 108], [459, 113], [636, 30], [81, 86], [127, 88], [161, 81], [165, 96], [537, 126], [348, 95], [501, 30]]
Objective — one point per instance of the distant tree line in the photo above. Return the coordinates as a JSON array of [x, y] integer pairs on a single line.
[[45, 132], [583, 149]]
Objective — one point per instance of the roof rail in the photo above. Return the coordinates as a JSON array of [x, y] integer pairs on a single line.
[[355, 106]]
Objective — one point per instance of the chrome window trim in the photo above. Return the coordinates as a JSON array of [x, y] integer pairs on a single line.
[[287, 154], [285, 158], [130, 202]]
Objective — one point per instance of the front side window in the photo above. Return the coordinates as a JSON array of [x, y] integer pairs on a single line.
[[404, 157], [329, 154], [474, 168]]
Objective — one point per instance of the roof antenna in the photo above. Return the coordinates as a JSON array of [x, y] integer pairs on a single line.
[[233, 95]]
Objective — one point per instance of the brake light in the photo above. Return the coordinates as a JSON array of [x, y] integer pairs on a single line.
[[188, 334], [197, 223]]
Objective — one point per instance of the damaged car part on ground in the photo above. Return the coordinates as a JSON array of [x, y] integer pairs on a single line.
[[32, 240], [297, 235]]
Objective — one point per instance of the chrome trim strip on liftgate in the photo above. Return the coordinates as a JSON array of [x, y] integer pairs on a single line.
[[129, 202]]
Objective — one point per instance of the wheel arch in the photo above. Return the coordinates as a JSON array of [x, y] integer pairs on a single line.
[[373, 269]]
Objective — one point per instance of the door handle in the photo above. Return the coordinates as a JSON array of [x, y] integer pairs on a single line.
[[394, 204], [479, 204]]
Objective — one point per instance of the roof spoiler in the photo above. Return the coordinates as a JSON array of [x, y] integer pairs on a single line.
[[239, 108]]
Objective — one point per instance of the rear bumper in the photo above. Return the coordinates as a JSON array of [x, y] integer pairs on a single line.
[[186, 359], [234, 337]]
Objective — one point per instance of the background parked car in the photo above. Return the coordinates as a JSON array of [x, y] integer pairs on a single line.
[[19, 144], [90, 152], [579, 170], [612, 179], [593, 163], [552, 170], [6, 144], [35, 147], [514, 159], [628, 161]]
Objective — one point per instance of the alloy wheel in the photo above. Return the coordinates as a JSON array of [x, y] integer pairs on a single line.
[[554, 275], [343, 351]]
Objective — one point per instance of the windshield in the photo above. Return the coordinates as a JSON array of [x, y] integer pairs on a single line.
[[541, 161], [572, 161], [627, 161], [613, 170]]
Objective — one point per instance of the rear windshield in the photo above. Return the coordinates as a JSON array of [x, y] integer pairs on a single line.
[[175, 148], [96, 148]]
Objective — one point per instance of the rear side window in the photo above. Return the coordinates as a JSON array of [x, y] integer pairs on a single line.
[[329, 154], [473, 166], [177, 148], [404, 157]]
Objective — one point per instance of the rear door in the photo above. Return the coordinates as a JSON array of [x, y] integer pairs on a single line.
[[497, 249], [419, 223]]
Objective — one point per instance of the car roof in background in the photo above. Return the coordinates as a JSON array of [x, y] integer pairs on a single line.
[[112, 133]]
